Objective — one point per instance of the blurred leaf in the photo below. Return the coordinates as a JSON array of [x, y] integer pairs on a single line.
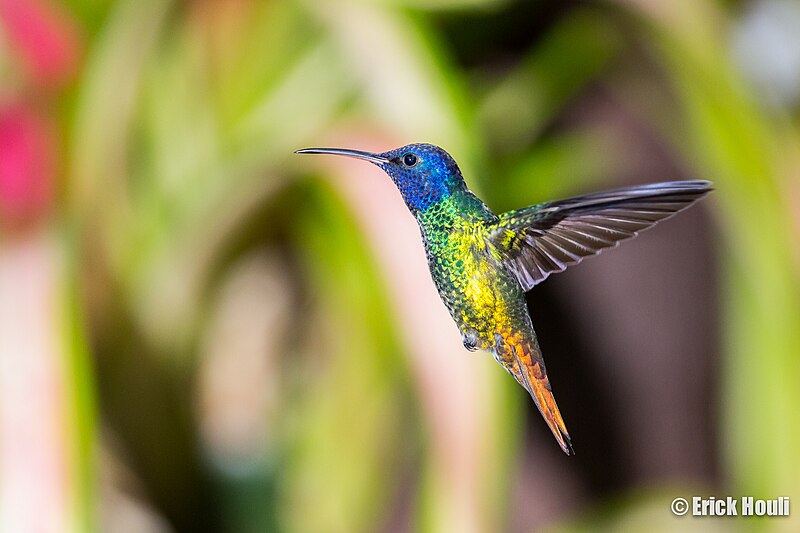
[[184, 229], [104, 111], [570, 56], [91, 12], [405, 81], [81, 399], [557, 167], [356, 409], [293, 109]]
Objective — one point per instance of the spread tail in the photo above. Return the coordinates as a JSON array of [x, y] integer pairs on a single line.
[[527, 366]]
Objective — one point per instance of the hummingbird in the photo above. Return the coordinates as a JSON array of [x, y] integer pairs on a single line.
[[482, 264]]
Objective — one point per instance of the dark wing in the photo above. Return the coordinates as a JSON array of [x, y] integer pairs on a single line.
[[539, 240]]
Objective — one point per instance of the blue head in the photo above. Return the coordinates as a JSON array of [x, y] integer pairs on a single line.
[[424, 173]]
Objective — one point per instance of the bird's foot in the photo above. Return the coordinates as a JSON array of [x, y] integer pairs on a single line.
[[470, 341]]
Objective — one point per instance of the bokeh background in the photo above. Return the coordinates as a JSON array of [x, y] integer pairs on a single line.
[[200, 331]]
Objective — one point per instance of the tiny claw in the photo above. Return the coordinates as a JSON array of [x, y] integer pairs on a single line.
[[470, 342]]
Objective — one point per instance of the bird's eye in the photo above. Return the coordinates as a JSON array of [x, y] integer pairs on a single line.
[[410, 160]]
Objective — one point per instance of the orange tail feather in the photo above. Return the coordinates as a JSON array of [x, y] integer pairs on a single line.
[[529, 370]]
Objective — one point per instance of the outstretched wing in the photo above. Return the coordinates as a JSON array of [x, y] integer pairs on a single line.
[[542, 239]]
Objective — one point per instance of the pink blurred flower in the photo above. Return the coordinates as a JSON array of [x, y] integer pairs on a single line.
[[45, 36], [26, 166]]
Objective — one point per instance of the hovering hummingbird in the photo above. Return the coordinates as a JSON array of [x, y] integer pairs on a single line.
[[482, 264]]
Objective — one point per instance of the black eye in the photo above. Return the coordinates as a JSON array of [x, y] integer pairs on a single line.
[[409, 160]]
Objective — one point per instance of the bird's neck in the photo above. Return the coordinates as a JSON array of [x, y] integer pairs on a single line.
[[458, 211]]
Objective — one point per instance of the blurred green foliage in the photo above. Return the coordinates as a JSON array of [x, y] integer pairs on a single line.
[[178, 137]]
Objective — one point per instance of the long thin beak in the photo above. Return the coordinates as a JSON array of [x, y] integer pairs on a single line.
[[358, 154]]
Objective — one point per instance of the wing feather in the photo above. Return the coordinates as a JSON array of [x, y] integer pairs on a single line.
[[540, 240]]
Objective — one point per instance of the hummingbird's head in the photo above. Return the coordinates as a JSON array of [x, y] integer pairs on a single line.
[[424, 173]]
